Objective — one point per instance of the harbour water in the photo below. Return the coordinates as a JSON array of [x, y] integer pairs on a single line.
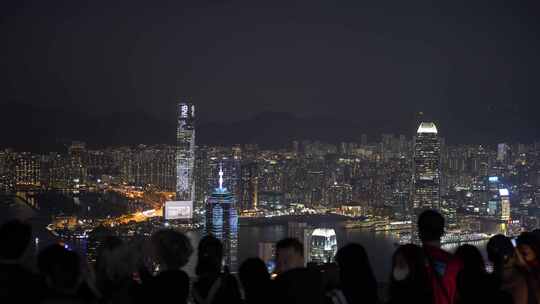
[[379, 245]]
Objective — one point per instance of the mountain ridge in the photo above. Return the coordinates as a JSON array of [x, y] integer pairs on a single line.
[[37, 128]]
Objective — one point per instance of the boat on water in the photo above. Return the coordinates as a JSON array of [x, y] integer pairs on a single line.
[[455, 237], [359, 224], [378, 225]]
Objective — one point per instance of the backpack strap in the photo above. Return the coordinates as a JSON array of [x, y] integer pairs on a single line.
[[531, 290], [337, 297], [240, 287]]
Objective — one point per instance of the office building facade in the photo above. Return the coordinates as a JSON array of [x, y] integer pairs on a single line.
[[221, 221], [185, 152], [426, 171]]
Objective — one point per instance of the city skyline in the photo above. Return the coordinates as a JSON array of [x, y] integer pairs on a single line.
[[374, 186], [268, 129]]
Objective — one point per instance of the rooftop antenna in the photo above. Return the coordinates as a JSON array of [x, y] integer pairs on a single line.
[[220, 177]]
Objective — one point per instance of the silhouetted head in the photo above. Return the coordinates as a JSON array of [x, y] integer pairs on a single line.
[[254, 276], [172, 248], [472, 258], [408, 262], [14, 238], [289, 255], [209, 255], [107, 247], [529, 246], [500, 250], [355, 272], [61, 268], [110, 243], [409, 275], [430, 226], [536, 233], [298, 286], [352, 258], [115, 261]]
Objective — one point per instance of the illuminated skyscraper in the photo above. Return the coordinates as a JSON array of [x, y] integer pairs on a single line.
[[221, 221], [505, 204], [185, 152], [323, 245], [499, 200], [426, 173], [27, 170], [153, 166]]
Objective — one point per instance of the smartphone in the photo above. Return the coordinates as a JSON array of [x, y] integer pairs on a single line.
[[271, 266], [513, 242]]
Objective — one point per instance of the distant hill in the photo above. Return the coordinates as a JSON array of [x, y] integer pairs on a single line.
[[29, 127], [36, 128]]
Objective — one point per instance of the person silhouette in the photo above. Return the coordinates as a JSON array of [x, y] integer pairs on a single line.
[[15, 278]]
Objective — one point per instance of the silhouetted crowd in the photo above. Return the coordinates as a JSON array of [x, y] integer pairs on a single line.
[[150, 271]]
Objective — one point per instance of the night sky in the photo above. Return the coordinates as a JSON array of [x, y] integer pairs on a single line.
[[72, 69]]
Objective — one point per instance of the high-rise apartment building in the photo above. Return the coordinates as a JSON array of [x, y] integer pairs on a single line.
[[201, 174], [6, 176], [249, 193], [27, 169], [148, 166]]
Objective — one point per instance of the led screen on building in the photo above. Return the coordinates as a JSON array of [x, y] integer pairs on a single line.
[[178, 210], [504, 192]]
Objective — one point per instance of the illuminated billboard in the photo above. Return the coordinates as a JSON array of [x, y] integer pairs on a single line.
[[493, 179], [178, 210], [504, 192]]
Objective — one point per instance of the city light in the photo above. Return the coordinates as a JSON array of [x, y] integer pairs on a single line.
[[374, 187]]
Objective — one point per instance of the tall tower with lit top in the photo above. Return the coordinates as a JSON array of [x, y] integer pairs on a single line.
[[427, 171], [221, 221], [185, 151]]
